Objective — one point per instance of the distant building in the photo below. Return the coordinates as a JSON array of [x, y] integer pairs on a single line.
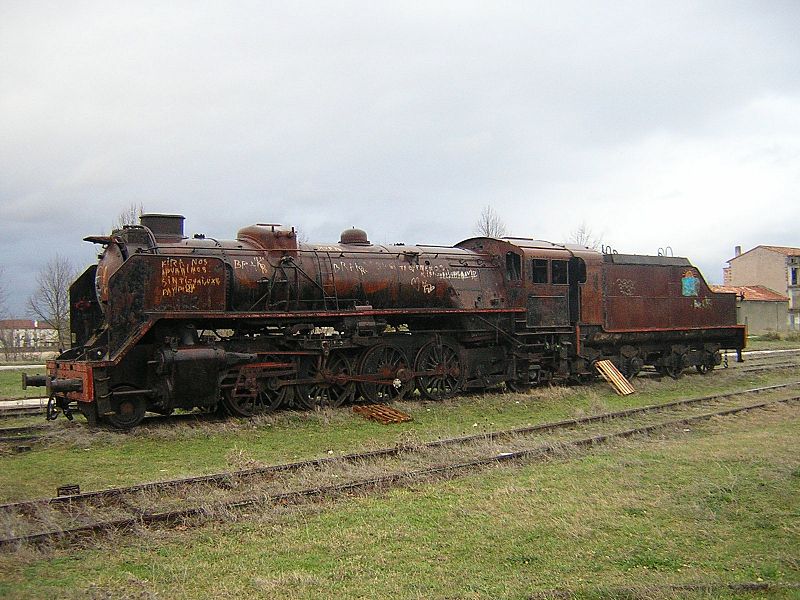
[[774, 267], [758, 307], [23, 334]]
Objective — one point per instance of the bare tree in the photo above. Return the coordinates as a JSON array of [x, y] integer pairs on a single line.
[[50, 302], [3, 294], [490, 224], [129, 216], [584, 236], [6, 335], [301, 235]]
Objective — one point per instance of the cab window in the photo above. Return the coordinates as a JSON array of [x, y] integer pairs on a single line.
[[560, 272], [539, 270], [513, 266]]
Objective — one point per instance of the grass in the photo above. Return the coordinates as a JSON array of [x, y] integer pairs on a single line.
[[774, 341], [717, 504], [104, 458], [11, 384]]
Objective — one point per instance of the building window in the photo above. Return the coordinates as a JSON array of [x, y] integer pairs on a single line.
[[794, 275], [560, 272], [539, 270]]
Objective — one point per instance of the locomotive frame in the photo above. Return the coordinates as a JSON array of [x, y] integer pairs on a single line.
[[165, 322]]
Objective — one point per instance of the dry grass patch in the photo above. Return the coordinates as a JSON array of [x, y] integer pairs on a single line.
[[615, 518]]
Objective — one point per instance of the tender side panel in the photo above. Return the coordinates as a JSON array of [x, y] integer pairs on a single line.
[[663, 297]]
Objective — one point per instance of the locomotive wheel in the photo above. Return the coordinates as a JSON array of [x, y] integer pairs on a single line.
[[89, 410], [266, 396], [516, 386], [128, 410], [443, 373], [249, 405], [389, 364], [331, 387], [238, 406], [272, 396]]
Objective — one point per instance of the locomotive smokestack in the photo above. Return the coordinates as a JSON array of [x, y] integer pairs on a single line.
[[164, 226]]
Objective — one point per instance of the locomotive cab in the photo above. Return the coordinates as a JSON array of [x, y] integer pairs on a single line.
[[547, 279]]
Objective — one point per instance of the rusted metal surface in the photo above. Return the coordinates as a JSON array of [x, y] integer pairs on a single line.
[[662, 295], [382, 413], [69, 370], [517, 310], [71, 489], [168, 283]]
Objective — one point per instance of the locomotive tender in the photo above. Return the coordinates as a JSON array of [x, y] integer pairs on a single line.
[[164, 321]]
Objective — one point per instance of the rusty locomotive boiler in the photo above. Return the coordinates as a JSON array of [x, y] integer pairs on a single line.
[[164, 321]]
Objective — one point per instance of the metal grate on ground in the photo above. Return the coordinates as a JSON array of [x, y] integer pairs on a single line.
[[382, 413]]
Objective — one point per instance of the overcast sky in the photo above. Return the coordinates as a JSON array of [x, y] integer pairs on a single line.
[[654, 123]]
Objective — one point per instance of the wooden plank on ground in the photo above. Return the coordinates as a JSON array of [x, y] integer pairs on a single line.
[[612, 375]]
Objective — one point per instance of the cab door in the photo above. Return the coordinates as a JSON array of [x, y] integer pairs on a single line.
[[549, 293], [514, 277]]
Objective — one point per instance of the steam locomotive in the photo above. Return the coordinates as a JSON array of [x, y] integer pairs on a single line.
[[164, 321]]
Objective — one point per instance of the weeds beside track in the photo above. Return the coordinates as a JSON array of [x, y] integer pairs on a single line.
[[69, 517]]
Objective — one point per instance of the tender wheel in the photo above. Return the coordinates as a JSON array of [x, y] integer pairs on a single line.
[[128, 410], [704, 368], [388, 368], [331, 386], [443, 373], [708, 361], [632, 367], [675, 368]]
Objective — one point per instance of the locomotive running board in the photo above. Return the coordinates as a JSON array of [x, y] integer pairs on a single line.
[[612, 375], [382, 413]]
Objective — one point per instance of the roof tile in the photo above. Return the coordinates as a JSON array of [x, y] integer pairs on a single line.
[[758, 293]]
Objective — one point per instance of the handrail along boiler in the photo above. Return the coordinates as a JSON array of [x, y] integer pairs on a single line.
[[164, 321]]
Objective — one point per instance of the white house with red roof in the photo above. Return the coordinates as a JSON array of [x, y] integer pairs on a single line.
[[774, 267], [758, 307]]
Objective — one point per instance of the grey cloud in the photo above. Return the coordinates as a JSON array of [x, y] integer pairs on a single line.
[[404, 119]]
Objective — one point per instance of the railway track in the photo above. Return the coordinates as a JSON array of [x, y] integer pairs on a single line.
[[33, 433], [21, 411], [26, 433], [760, 363], [70, 517]]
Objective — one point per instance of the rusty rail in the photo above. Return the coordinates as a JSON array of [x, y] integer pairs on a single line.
[[386, 452], [396, 479]]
